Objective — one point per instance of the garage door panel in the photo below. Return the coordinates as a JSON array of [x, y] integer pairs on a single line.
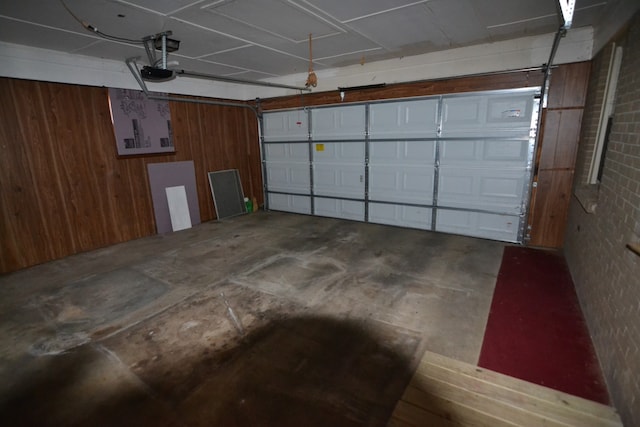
[[335, 208], [404, 119], [462, 159], [463, 113], [478, 224], [290, 203], [288, 177], [497, 190], [487, 115], [285, 126], [403, 216], [489, 153], [335, 123], [339, 180], [402, 152], [510, 111], [410, 185], [339, 152], [506, 151], [287, 152]]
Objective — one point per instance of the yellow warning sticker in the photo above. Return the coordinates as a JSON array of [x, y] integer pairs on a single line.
[[319, 147]]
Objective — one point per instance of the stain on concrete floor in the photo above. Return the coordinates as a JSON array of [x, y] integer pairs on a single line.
[[334, 315]]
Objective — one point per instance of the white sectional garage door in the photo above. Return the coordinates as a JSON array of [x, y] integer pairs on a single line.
[[455, 163]]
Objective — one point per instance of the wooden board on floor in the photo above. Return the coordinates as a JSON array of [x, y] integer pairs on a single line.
[[446, 392]]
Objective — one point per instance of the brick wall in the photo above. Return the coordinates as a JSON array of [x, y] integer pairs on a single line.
[[606, 273]]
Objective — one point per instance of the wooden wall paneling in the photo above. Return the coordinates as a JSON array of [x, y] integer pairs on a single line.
[[560, 137], [90, 205], [568, 87], [34, 127], [103, 154], [207, 150], [246, 151], [21, 224], [556, 154], [71, 184], [218, 138], [63, 189], [185, 120], [254, 158], [552, 205]]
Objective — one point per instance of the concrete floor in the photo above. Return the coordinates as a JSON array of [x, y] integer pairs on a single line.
[[332, 318]]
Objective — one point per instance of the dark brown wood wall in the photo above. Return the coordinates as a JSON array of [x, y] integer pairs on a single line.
[[64, 190], [556, 155]]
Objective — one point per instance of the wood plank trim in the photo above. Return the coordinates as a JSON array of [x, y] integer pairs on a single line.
[[457, 393]]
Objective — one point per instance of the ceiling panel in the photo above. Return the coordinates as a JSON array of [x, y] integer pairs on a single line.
[[335, 45], [113, 50], [49, 12], [12, 31], [495, 12], [262, 60], [165, 7], [266, 15], [114, 18], [196, 41], [584, 16], [353, 9], [270, 37], [409, 27], [546, 24], [214, 22], [458, 21]]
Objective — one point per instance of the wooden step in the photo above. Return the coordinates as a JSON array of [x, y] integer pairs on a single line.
[[447, 392]]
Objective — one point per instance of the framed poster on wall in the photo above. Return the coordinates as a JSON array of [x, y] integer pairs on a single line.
[[140, 125]]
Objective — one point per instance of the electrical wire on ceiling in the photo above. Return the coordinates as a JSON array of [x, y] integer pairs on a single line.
[[96, 31]]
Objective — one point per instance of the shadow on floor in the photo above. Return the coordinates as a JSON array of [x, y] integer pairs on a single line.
[[302, 371]]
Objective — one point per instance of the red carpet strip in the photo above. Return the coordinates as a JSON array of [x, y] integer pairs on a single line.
[[536, 331]]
